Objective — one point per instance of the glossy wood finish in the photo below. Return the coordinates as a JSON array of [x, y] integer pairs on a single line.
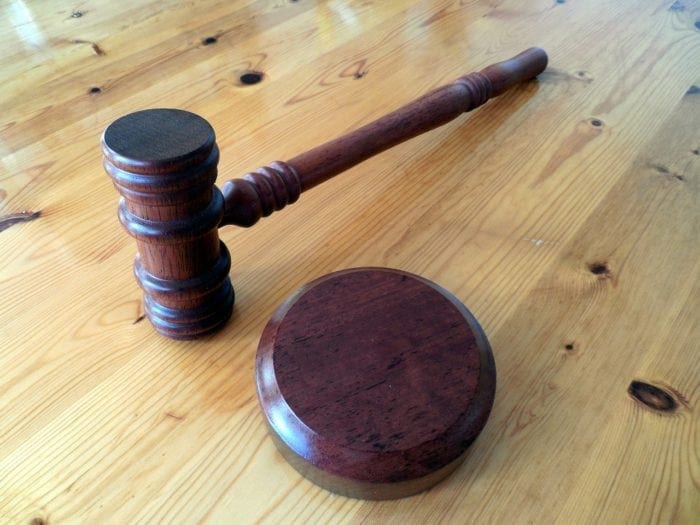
[[272, 187], [163, 162], [564, 214], [374, 382]]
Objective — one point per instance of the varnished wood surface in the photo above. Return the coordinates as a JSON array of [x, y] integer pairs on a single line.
[[164, 162], [565, 215], [374, 382], [250, 198]]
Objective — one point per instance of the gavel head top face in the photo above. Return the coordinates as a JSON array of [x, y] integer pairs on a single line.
[[163, 162], [155, 139]]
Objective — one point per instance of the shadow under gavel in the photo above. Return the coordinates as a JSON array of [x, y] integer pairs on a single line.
[[163, 162]]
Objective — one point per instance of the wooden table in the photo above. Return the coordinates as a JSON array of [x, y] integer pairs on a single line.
[[565, 214]]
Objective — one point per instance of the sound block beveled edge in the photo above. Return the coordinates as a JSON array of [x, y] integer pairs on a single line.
[[341, 467]]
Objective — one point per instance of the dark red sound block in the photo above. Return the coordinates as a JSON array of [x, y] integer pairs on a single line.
[[374, 382]]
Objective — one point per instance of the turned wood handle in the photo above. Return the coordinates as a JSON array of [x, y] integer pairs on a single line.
[[272, 187]]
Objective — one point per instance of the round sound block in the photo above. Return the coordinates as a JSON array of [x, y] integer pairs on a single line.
[[374, 382]]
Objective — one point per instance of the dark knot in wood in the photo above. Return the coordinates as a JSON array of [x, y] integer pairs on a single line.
[[652, 396]]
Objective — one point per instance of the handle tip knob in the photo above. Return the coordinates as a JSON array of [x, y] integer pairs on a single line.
[[521, 67]]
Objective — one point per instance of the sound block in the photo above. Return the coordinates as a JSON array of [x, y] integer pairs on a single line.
[[374, 382]]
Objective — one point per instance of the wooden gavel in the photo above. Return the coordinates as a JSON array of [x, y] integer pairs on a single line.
[[163, 162]]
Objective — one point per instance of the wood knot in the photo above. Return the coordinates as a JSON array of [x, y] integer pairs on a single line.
[[250, 78], [356, 70], [663, 170], [585, 76], [93, 45], [652, 397], [599, 268]]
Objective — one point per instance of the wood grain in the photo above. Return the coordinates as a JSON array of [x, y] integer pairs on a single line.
[[163, 162], [566, 219], [374, 382], [272, 187]]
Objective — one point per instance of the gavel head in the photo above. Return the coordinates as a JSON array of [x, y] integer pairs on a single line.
[[163, 162]]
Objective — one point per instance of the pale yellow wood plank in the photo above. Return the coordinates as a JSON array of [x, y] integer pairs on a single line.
[[103, 420]]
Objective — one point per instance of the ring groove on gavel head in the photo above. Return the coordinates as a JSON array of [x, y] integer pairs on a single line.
[[163, 162]]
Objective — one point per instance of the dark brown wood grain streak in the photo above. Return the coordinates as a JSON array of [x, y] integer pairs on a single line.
[[14, 218]]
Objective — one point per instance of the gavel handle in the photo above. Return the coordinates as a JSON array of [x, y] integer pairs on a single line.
[[272, 187]]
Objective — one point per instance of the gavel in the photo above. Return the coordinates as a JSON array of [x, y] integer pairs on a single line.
[[163, 162]]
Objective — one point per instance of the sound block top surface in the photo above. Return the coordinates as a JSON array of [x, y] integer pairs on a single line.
[[372, 379]]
